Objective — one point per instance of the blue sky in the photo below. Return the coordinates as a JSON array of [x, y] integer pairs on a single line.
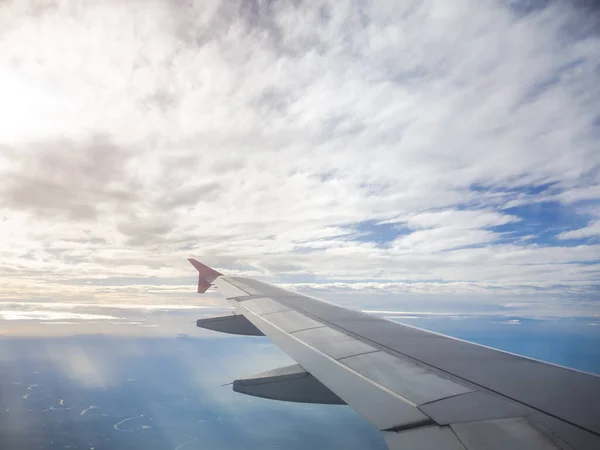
[[421, 156]]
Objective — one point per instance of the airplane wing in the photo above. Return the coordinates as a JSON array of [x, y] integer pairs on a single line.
[[422, 390]]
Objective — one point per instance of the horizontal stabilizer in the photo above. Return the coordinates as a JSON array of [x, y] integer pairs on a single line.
[[231, 323], [290, 384]]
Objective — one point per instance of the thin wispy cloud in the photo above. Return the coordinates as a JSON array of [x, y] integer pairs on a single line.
[[50, 315], [423, 147]]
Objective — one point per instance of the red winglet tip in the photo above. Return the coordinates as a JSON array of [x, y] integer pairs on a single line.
[[204, 270]]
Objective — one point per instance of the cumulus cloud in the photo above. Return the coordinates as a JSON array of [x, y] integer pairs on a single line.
[[313, 141]]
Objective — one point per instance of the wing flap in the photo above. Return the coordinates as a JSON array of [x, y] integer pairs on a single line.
[[290, 383], [231, 324]]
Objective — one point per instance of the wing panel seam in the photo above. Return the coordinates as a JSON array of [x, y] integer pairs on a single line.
[[359, 354], [309, 328]]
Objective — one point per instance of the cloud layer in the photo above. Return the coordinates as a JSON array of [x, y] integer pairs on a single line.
[[443, 149]]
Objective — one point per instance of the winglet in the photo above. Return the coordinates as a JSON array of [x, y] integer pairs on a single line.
[[206, 275]]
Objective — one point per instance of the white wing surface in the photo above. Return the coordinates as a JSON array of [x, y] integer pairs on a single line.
[[421, 389]]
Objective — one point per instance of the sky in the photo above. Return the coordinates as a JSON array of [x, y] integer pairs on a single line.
[[422, 156]]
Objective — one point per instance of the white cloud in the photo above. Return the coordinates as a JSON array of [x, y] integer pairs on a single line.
[[50, 315], [402, 317], [512, 322], [578, 194], [464, 220], [592, 230], [410, 312], [259, 137], [134, 306]]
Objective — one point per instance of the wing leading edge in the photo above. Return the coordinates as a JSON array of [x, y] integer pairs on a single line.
[[421, 389]]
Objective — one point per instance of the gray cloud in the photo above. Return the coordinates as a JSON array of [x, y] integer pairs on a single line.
[[66, 178]]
